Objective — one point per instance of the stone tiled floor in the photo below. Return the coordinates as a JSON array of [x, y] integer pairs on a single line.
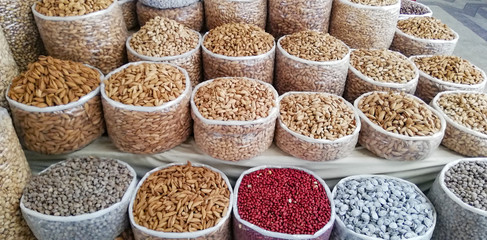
[[469, 19]]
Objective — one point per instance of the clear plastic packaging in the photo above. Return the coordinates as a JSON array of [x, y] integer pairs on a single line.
[[190, 16], [311, 149], [21, 31], [190, 61], [14, 176], [59, 129], [459, 138], [297, 74], [393, 146], [8, 69], [358, 84], [164, 4], [410, 45], [129, 13], [245, 230], [219, 12], [146, 130], [413, 4], [341, 232], [291, 16], [456, 219], [107, 223], [97, 38], [220, 231], [259, 67], [363, 26], [429, 87], [233, 140]]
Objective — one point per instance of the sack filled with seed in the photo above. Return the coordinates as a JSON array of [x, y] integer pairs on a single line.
[[21, 31], [234, 118], [238, 50], [165, 40], [446, 73], [381, 207], [220, 12], [56, 106], [410, 8], [368, 24], [316, 126], [465, 114], [460, 199], [292, 16], [190, 16], [79, 198], [92, 32], [164, 4], [424, 36], [399, 126], [311, 61], [146, 107], [129, 13], [273, 202], [182, 201], [14, 175], [8, 69], [379, 70]]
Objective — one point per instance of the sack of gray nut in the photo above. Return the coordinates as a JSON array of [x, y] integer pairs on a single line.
[[460, 198], [80, 198]]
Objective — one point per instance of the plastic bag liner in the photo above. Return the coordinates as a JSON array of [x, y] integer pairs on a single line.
[[145, 130], [190, 61], [410, 45], [297, 74], [341, 232], [414, 4], [96, 38], [8, 69], [459, 138], [190, 16], [106, 223], [233, 140], [243, 229], [14, 176], [129, 13], [164, 4], [220, 12], [363, 26], [291, 16], [429, 87], [456, 219], [358, 84], [220, 231], [311, 149], [59, 129], [21, 31], [260, 67], [394, 146]]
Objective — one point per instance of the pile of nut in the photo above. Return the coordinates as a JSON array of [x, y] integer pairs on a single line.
[[71, 7], [219, 12], [238, 40], [146, 84], [53, 82], [236, 99], [161, 37], [182, 198], [426, 28], [451, 69], [317, 116], [190, 16], [375, 2], [383, 65], [466, 109], [314, 46]]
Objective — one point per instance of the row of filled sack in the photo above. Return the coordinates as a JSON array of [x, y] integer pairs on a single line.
[[148, 108]]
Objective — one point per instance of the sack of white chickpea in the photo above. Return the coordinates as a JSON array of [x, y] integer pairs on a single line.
[[219, 12], [191, 16]]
